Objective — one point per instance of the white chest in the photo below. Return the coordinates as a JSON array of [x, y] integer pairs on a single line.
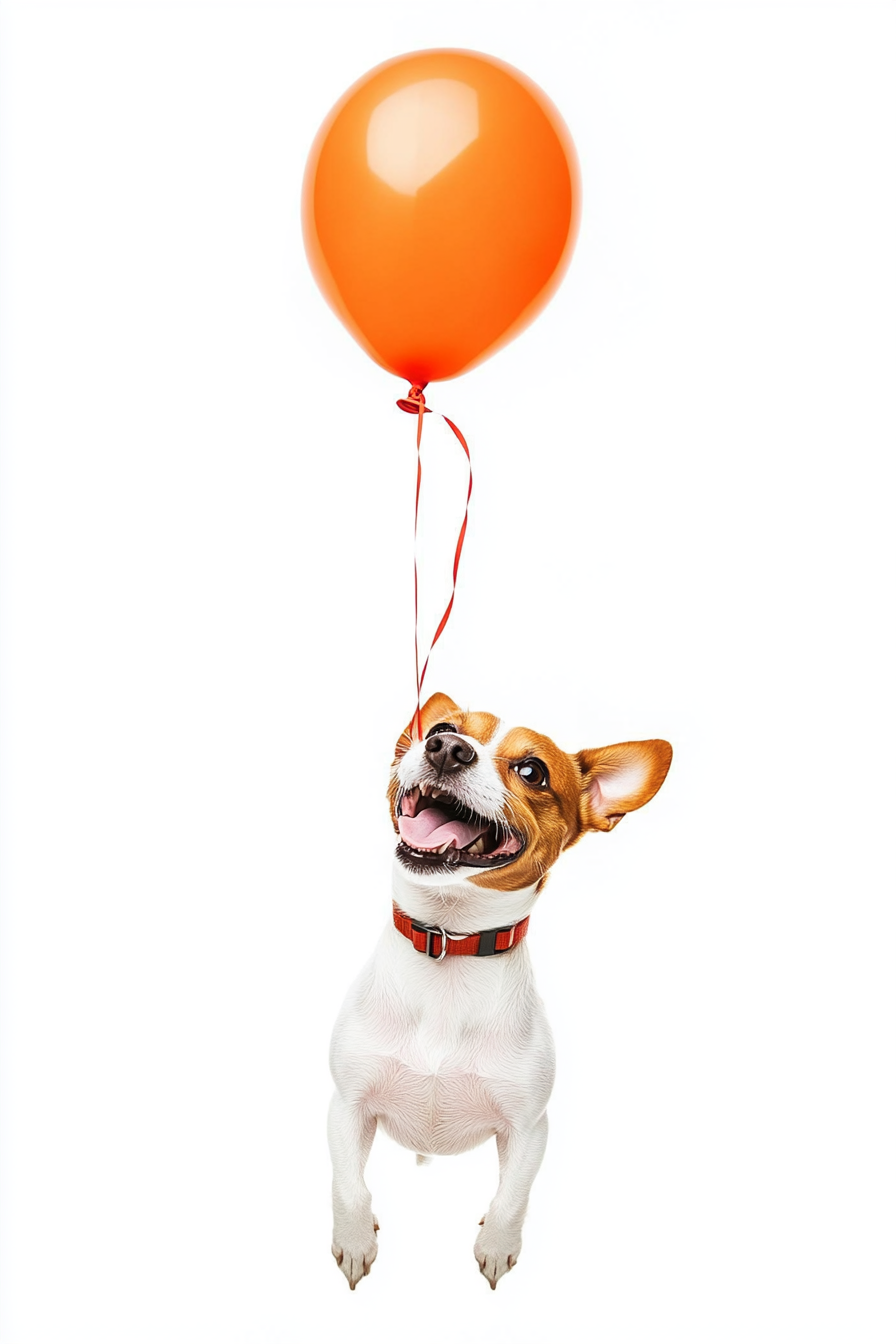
[[443, 1053]]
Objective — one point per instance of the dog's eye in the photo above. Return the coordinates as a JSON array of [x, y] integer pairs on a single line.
[[442, 728], [533, 771]]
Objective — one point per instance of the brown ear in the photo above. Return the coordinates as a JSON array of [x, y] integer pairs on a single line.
[[619, 779], [438, 707]]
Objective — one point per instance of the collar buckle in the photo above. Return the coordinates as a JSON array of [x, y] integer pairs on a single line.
[[429, 930]]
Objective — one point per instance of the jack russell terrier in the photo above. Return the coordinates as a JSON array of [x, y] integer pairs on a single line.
[[443, 1041]]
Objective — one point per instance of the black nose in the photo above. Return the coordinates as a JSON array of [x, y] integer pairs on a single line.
[[447, 752]]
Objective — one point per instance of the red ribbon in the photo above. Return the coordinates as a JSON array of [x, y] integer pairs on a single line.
[[415, 404]]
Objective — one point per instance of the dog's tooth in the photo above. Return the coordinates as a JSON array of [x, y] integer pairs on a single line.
[[478, 847], [443, 849]]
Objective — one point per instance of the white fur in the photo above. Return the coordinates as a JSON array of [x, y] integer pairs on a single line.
[[442, 1055]]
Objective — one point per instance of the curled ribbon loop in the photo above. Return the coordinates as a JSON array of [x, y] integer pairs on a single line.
[[415, 404]]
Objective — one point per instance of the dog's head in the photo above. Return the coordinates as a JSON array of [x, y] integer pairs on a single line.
[[481, 802]]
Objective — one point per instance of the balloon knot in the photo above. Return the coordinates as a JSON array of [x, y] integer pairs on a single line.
[[414, 401]]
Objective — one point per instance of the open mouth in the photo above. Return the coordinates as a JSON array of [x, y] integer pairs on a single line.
[[437, 830]]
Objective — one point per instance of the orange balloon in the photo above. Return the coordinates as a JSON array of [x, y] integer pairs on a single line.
[[439, 208]]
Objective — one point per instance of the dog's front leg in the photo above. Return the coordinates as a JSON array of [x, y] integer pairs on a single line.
[[350, 1131], [519, 1155]]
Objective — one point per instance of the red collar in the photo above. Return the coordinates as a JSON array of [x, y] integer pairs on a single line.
[[436, 942]]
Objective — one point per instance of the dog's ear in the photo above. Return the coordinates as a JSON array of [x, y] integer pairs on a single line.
[[618, 779], [439, 708]]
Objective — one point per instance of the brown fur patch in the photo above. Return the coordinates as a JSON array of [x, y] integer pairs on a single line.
[[548, 818], [478, 724]]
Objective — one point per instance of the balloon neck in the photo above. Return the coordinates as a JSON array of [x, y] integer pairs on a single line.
[[415, 402]]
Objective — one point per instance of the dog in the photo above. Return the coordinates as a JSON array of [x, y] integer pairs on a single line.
[[443, 1041]]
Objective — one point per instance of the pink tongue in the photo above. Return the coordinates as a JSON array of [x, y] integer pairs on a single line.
[[433, 827]]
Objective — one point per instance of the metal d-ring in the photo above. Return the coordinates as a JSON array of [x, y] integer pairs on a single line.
[[430, 929], [456, 937]]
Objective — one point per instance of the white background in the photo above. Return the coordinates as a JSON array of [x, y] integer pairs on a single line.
[[681, 528]]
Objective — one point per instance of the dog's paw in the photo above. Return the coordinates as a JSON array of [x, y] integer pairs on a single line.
[[497, 1250], [354, 1251]]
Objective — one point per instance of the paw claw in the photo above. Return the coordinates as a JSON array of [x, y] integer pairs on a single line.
[[497, 1251], [354, 1250]]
